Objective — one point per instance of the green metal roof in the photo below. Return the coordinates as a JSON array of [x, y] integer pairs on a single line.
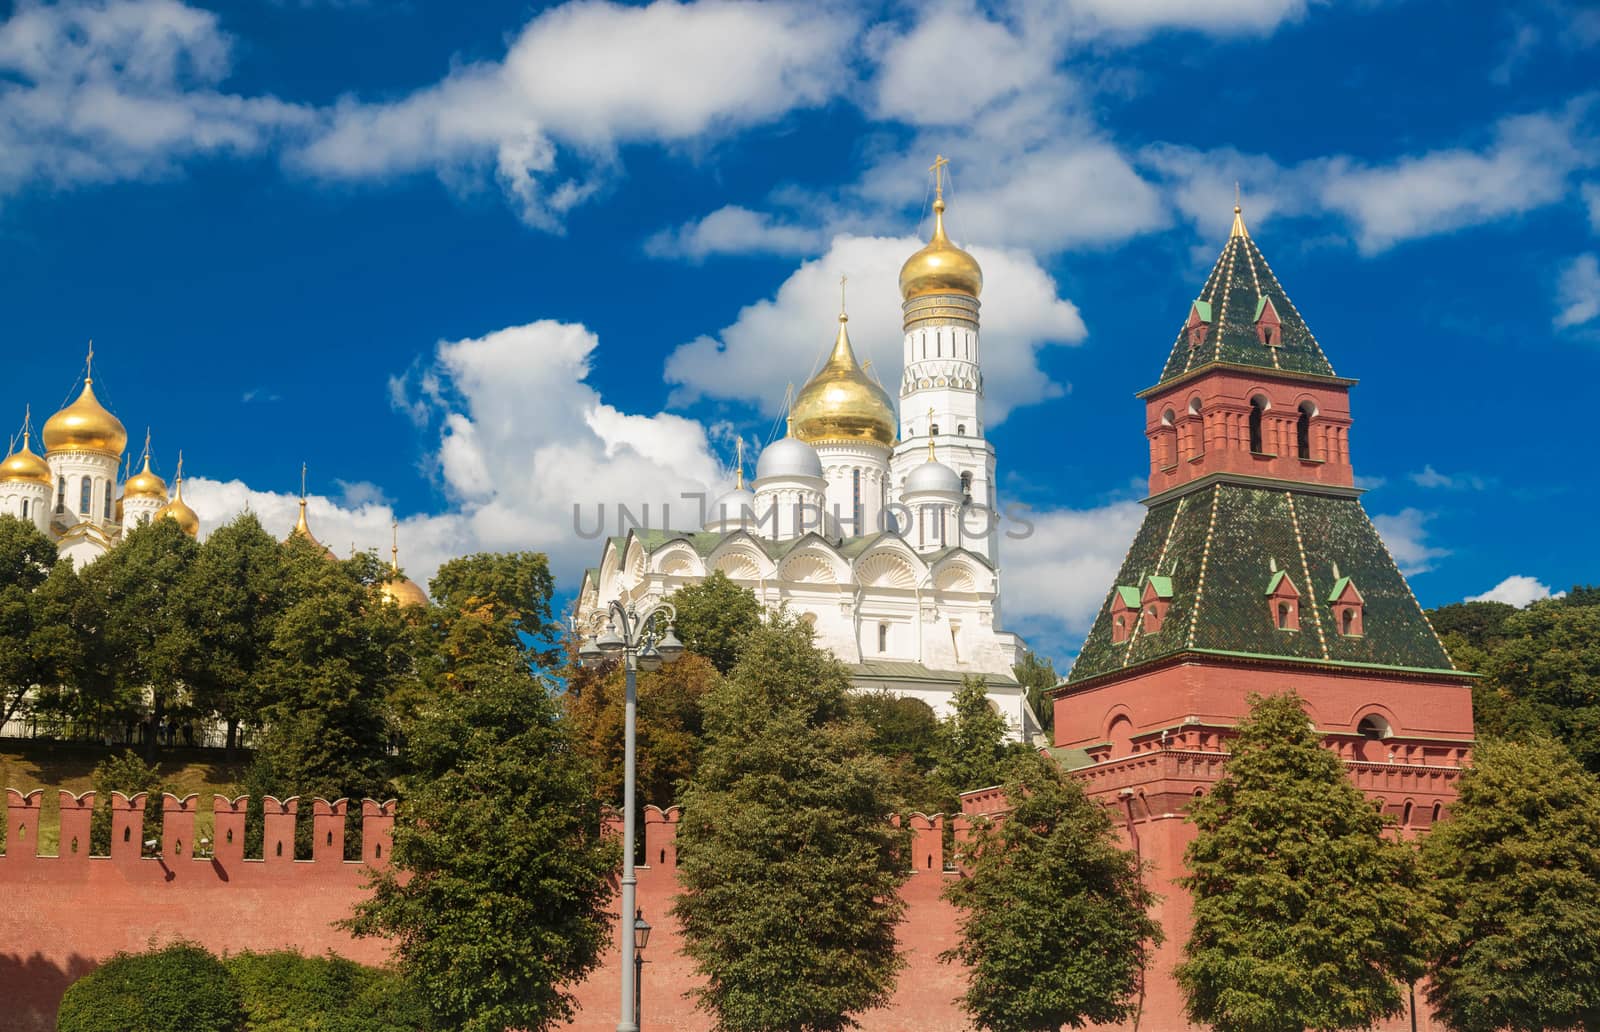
[[1277, 578], [1163, 586], [895, 670], [1217, 543], [1338, 588], [1237, 290], [1130, 595]]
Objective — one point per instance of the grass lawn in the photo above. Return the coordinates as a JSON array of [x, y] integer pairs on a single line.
[[27, 765]]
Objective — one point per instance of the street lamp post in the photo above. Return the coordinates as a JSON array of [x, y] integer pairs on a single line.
[[642, 643], [641, 939]]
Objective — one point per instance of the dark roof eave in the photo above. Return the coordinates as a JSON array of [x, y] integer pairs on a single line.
[[1286, 374], [1340, 666], [1245, 480]]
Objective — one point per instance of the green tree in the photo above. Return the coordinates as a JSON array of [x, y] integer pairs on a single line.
[[1305, 915], [1055, 928], [1547, 670], [332, 661], [1037, 675], [972, 739], [180, 988], [1515, 878], [26, 558], [236, 586], [286, 991], [670, 724], [508, 594], [130, 775], [905, 733], [714, 618], [496, 900], [148, 622], [788, 865]]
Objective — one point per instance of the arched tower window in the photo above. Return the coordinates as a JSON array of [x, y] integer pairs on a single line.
[[961, 429], [933, 429], [61, 494], [1197, 430], [24, 508], [85, 496], [1302, 430], [966, 485], [1169, 440], [108, 500], [1258, 409]]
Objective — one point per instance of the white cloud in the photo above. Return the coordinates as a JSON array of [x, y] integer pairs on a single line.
[[1518, 590], [523, 439], [586, 76], [1591, 200], [1430, 477], [1528, 165], [1213, 16], [98, 91], [783, 339], [1405, 534], [1578, 292], [1056, 577], [913, 82], [734, 230]]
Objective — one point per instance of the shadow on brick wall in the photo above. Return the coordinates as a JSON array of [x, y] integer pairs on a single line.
[[32, 987]]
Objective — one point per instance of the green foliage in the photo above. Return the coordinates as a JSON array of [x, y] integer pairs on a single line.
[[508, 596], [905, 733], [130, 775], [286, 991], [669, 725], [1054, 929], [1515, 877], [236, 586], [332, 661], [972, 740], [180, 988], [715, 617], [1305, 915], [1541, 667], [1037, 675], [26, 559], [146, 616], [497, 895], [788, 866]]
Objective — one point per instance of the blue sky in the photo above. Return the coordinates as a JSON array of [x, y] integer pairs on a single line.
[[475, 263]]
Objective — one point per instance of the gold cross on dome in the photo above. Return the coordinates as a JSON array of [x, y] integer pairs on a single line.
[[88, 364], [937, 168]]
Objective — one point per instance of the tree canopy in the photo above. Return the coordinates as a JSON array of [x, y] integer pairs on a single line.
[[1514, 874], [1055, 927], [1305, 914], [714, 618], [788, 864]]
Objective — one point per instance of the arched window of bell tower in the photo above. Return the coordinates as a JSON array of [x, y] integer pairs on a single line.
[[1258, 409], [1302, 429]]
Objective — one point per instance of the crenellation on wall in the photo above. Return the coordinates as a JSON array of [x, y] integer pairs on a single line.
[[77, 814], [277, 834], [127, 827], [177, 825], [327, 829], [661, 837], [377, 832], [22, 824]]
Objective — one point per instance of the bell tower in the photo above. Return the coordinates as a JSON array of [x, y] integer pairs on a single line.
[[941, 388]]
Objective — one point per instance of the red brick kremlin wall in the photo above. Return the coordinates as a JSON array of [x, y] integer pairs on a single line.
[[61, 915]]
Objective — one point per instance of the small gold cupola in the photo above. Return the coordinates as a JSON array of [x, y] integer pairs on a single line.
[[145, 484], [940, 267], [397, 588], [842, 403], [85, 425], [177, 509], [23, 465]]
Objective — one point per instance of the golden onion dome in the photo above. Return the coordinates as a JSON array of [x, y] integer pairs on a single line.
[[145, 484], [177, 509], [85, 426], [841, 403], [302, 531], [403, 592], [941, 267], [23, 465]]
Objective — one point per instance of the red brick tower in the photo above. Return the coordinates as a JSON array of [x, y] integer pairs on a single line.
[[1256, 570]]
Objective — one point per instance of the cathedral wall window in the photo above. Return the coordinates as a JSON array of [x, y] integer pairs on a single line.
[[883, 637], [24, 508], [61, 494], [85, 496], [855, 501], [108, 500]]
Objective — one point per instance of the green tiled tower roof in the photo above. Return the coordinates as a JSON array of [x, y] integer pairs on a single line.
[[1221, 547], [1234, 297]]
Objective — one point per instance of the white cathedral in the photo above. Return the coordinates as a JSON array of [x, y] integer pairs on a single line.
[[73, 493], [880, 530]]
